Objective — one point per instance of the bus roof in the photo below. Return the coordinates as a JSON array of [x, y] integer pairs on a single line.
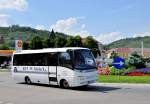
[[46, 50]]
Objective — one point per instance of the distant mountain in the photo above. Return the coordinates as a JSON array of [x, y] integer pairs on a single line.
[[130, 43], [8, 35]]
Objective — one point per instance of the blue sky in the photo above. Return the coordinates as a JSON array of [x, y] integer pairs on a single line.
[[105, 20]]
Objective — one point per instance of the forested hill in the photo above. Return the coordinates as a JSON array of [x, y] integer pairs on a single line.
[[8, 35], [130, 43]]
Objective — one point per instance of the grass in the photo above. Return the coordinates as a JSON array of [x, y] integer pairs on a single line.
[[124, 79]]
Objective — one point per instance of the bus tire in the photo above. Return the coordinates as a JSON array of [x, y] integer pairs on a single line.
[[64, 84], [27, 80]]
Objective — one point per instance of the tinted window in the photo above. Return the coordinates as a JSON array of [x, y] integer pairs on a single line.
[[65, 60], [83, 59], [52, 59], [38, 59]]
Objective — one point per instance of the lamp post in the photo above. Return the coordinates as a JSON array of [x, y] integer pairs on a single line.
[[142, 53]]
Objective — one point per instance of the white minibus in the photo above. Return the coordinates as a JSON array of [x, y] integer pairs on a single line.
[[66, 67]]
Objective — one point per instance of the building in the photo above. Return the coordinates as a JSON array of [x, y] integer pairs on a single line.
[[5, 57], [125, 52]]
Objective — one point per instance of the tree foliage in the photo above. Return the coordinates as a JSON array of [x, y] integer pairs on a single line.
[[36, 43], [25, 45], [49, 43], [90, 43], [70, 42], [60, 42], [4, 47]]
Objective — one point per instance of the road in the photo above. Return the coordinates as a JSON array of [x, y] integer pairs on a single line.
[[99, 93]]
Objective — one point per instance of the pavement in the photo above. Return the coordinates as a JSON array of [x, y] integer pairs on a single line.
[[12, 92]]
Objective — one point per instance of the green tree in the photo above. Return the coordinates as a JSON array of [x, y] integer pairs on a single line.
[[70, 42], [25, 45], [60, 42], [49, 43], [36, 43], [4, 47], [91, 43], [78, 41], [52, 35]]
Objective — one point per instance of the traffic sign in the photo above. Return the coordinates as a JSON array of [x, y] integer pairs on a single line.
[[119, 63], [18, 45]]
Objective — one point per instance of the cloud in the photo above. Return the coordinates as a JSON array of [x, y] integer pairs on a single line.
[[141, 34], [20, 5], [107, 38], [68, 26], [64, 25], [4, 20], [40, 27]]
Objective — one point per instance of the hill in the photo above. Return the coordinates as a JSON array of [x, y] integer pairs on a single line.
[[130, 43], [8, 35]]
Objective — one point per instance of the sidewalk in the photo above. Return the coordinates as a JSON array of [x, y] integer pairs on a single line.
[[5, 70]]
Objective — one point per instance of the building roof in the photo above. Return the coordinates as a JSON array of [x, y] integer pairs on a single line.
[[129, 50], [6, 52]]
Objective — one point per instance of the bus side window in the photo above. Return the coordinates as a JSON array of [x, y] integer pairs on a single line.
[[52, 59], [17, 60], [65, 60]]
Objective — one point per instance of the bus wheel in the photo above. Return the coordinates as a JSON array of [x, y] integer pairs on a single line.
[[64, 84], [27, 80]]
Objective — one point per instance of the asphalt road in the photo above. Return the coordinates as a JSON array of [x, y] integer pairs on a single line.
[[99, 93]]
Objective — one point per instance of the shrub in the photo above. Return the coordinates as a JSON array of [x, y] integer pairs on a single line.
[[114, 71]]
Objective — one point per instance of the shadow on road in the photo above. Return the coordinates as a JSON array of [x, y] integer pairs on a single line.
[[94, 88], [89, 88]]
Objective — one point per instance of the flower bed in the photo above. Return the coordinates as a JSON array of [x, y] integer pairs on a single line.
[[137, 74], [144, 70], [104, 71]]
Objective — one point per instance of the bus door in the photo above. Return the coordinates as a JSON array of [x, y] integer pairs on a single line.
[[52, 62], [52, 75]]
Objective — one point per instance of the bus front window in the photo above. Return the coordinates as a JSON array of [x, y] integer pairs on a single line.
[[83, 60]]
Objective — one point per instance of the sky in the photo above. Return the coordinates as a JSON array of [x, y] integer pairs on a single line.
[[105, 20]]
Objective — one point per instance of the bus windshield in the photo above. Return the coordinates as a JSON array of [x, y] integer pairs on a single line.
[[83, 60]]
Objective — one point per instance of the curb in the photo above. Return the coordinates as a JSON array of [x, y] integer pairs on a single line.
[[123, 84]]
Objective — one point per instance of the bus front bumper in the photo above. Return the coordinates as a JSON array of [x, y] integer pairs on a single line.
[[83, 80]]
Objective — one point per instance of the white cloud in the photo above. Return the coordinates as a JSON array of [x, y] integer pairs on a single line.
[[141, 34], [107, 38], [68, 26], [40, 27], [4, 20], [64, 25], [19, 5]]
